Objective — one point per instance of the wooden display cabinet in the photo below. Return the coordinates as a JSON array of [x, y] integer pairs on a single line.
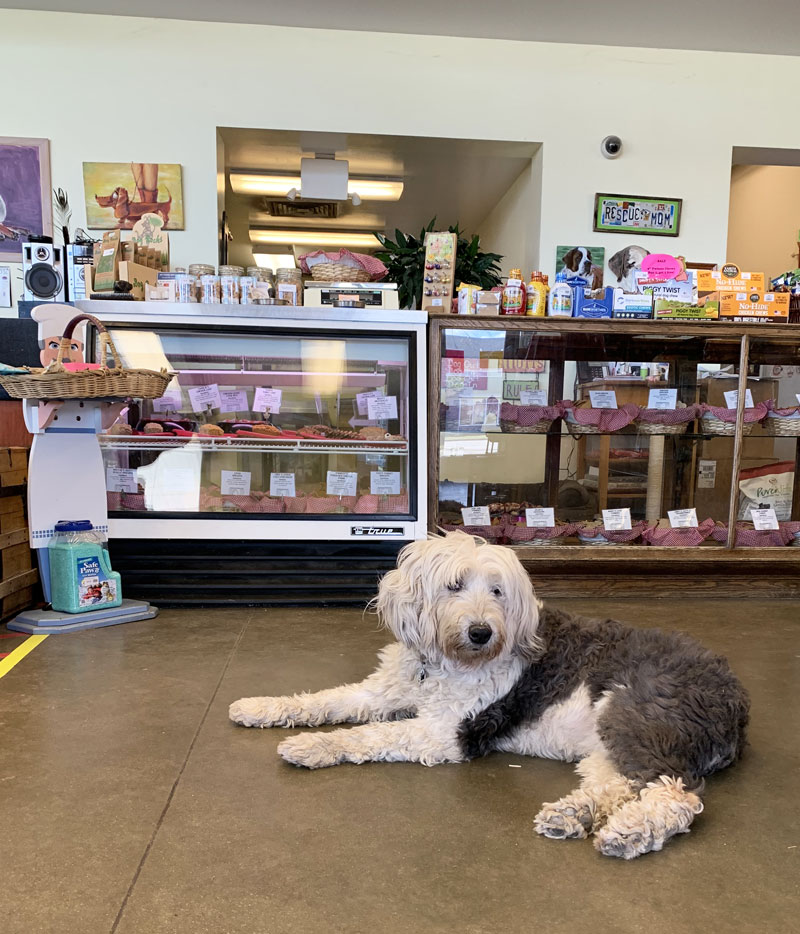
[[481, 464]]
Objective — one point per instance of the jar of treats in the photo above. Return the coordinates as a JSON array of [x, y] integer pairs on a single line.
[[201, 269], [210, 290], [229, 288], [231, 270], [185, 288]]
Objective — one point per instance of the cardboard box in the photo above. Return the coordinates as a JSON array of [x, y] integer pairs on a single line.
[[755, 306], [632, 305], [107, 263], [668, 310], [137, 275], [728, 279]]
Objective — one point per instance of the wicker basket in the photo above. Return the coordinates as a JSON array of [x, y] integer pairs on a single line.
[[56, 382], [787, 426], [339, 272], [711, 425], [656, 428], [575, 428], [539, 428]]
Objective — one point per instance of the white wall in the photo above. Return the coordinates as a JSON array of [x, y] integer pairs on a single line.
[[764, 217], [675, 110], [512, 227]]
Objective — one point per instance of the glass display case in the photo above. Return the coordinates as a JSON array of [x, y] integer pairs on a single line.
[[659, 437], [293, 425]]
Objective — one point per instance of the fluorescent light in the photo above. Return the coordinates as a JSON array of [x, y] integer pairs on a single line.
[[274, 261], [279, 186], [314, 238]]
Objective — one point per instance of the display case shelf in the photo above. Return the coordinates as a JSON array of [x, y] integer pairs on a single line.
[[276, 445]]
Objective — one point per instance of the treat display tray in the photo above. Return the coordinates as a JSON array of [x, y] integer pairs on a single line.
[[284, 445]]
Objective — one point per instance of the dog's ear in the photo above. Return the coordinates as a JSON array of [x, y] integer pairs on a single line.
[[401, 596], [618, 264], [569, 259], [522, 607]]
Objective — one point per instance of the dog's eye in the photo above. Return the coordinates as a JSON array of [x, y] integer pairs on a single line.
[[497, 591], [455, 586]]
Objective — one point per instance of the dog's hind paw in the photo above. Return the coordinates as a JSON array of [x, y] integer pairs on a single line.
[[311, 750], [561, 820]]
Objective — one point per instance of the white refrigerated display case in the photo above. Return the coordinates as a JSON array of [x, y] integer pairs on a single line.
[[280, 423]]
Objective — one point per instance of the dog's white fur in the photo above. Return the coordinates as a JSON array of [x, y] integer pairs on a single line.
[[435, 676]]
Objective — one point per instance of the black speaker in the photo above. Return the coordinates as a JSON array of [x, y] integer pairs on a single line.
[[43, 272]]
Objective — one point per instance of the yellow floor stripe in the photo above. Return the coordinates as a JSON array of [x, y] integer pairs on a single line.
[[7, 663]]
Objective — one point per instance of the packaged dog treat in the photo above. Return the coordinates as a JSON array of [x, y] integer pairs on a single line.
[[765, 487]]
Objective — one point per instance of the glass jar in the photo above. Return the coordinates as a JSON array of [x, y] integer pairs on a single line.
[[185, 288], [229, 288], [231, 270], [210, 290]]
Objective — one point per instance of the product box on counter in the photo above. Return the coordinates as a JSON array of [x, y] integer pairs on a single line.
[[487, 303], [728, 279], [754, 306], [632, 305], [138, 276], [668, 310], [587, 304]]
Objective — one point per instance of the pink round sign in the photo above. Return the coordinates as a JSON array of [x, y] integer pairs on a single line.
[[662, 266]]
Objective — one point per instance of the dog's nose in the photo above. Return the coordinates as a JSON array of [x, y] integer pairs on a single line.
[[479, 634]]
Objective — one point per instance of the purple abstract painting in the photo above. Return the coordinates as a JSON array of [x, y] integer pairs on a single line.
[[25, 201]]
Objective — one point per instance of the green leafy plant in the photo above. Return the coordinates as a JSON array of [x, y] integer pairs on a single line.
[[404, 258]]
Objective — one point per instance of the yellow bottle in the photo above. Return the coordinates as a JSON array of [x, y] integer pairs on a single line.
[[536, 305]]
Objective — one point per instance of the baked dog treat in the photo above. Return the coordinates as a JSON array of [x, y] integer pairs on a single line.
[[120, 428], [210, 430], [373, 433], [262, 428], [153, 428]]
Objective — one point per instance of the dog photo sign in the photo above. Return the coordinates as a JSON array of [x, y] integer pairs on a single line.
[[659, 217]]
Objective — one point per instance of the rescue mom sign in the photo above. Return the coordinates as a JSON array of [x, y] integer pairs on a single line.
[[637, 214]]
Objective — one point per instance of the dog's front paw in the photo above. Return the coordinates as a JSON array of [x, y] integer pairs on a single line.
[[564, 820], [261, 711], [311, 750]]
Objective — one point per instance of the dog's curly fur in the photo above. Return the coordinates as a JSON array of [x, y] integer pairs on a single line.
[[480, 665]]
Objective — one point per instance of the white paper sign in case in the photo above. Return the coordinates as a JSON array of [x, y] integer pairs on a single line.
[[281, 484], [764, 518], [603, 398], [232, 400], [662, 399], [384, 482], [362, 399], [204, 397], [543, 517], [533, 397], [267, 399], [341, 483], [381, 407], [732, 399], [121, 480], [616, 520], [476, 515], [682, 518], [171, 401], [235, 482]]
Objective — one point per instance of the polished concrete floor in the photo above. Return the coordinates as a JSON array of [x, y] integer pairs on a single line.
[[130, 804]]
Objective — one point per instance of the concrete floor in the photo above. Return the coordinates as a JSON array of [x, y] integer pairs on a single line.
[[129, 803]]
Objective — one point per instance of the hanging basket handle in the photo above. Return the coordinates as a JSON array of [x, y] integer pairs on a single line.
[[106, 344]]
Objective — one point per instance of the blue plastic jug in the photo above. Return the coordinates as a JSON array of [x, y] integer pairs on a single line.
[[81, 578]]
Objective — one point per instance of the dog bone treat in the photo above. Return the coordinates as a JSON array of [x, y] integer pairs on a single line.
[[211, 430], [335, 434], [262, 428], [120, 429], [373, 433], [153, 428]]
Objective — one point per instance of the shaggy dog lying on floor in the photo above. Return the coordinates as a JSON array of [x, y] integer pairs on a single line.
[[481, 665]]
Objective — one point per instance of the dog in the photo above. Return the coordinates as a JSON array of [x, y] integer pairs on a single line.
[[481, 665], [625, 265], [126, 211], [578, 262]]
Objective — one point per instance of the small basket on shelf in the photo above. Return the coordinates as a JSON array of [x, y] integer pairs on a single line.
[[715, 420], [783, 422], [594, 534], [665, 421], [582, 420], [339, 272], [56, 381], [529, 419]]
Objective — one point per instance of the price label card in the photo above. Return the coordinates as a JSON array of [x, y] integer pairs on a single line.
[[235, 482], [616, 520], [341, 483], [281, 484], [386, 482], [381, 407], [706, 475], [171, 401], [121, 480], [603, 398], [764, 518], [540, 518], [662, 399], [476, 515], [683, 518], [732, 399], [533, 397], [232, 400], [267, 399], [362, 400], [204, 397]]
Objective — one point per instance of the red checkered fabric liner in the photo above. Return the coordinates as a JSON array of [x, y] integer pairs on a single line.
[[326, 504], [528, 415], [133, 501], [270, 504], [755, 414], [372, 503], [370, 264], [492, 533], [686, 538], [617, 537], [668, 416], [748, 537], [397, 503], [294, 504], [793, 411], [519, 532], [245, 503], [604, 419], [113, 500], [210, 501]]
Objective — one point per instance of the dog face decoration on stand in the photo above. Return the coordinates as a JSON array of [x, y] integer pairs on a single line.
[[625, 264], [480, 665]]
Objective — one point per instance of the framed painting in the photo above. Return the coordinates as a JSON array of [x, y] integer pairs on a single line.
[[118, 194], [657, 217], [26, 205]]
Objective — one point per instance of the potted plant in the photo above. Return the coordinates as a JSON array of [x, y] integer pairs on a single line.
[[404, 258]]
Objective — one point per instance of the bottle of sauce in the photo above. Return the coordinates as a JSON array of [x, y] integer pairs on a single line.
[[536, 298], [512, 301]]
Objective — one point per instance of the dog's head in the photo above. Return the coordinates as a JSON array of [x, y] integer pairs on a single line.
[[625, 260], [579, 260], [109, 201], [455, 597]]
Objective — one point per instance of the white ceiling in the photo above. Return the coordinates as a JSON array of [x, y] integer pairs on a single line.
[[715, 25]]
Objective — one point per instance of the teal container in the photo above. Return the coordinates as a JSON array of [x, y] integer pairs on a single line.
[[81, 578]]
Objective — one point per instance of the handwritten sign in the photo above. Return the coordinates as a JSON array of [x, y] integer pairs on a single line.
[[540, 518], [121, 480], [662, 266], [476, 515], [235, 482], [281, 484], [682, 518], [341, 483], [662, 399], [381, 407], [204, 397], [267, 400], [603, 398], [533, 397], [615, 520], [232, 400], [384, 482]]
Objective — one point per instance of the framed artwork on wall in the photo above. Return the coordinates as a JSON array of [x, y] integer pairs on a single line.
[[657, 217], [118, 194], [26, 207]]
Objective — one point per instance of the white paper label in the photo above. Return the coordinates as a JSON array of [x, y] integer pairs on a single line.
[[732, 399], [232, 400], [235, 482], [683, 518], [381, 407], [662, 399], [121, 480], [341, 483], [764, 518], [204, 397], [362, 398], [615, 520], [533, 397], [170, 402], [267, 400], [5, 286], [603, 398], [540, 518], [281, 484], [385, 482], [476, 515], [706, 475], [594, 471]]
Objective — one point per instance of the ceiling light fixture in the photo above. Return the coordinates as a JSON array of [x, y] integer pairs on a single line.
[[313, 238], [279, 186]]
